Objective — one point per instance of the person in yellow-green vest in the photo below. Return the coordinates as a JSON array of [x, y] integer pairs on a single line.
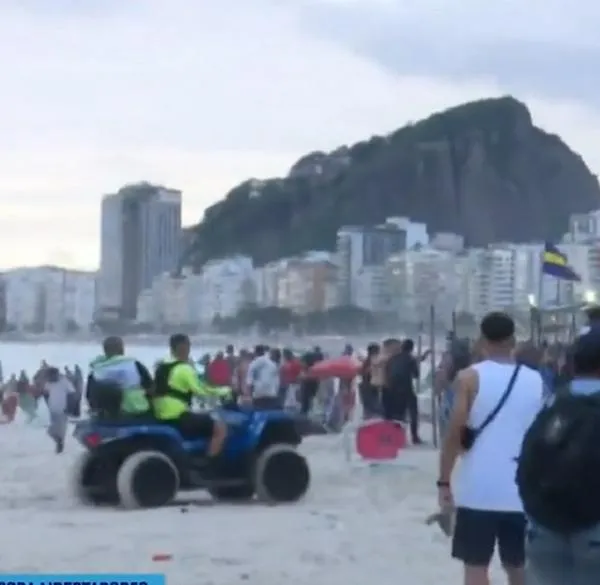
[[176, 381], [118, 384]]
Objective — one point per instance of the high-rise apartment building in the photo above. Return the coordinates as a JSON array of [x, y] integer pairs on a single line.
[[140, 239], [361, 247]]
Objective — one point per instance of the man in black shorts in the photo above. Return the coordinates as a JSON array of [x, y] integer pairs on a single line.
[[497, 399]]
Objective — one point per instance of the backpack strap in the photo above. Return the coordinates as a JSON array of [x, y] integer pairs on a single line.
[[502, 401]]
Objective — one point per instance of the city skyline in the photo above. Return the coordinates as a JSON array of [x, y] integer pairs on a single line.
[[392, 272], [92, 105]]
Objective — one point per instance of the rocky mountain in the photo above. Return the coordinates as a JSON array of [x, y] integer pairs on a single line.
[[481, 169]]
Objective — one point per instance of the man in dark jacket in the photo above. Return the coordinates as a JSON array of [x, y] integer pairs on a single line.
[[309, 386], [402, 368]]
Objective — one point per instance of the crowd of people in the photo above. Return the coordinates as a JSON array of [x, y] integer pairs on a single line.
[[505, 411], [503, 408], [266, 378], [22, 384]]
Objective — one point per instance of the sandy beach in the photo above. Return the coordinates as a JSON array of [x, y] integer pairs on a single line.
[[357, 525]]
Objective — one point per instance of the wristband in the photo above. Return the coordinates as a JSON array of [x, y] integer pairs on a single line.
[[442, 484]]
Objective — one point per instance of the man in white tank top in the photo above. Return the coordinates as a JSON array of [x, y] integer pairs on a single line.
[[483, 489]]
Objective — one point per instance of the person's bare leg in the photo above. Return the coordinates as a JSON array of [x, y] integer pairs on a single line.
[[476, 575], [218, 439], [516, 575]]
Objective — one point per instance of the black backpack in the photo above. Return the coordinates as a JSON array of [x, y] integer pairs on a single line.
[[558, 471], [161, 382]]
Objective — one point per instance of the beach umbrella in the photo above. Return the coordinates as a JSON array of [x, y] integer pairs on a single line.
[[380, 440], [345, 367]]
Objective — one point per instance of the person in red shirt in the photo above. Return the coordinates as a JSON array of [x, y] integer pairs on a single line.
[[290, 372], [290, 369], [218, 372]]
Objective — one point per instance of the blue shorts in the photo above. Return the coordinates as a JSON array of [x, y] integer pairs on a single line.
[[553, 559]]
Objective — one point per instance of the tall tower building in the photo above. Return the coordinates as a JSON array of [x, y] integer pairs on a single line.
[[140, 239]]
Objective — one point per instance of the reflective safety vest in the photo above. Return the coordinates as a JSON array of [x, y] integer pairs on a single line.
[[122, 372], [162, 387]]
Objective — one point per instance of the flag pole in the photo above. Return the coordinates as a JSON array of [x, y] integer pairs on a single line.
[[540, 279]]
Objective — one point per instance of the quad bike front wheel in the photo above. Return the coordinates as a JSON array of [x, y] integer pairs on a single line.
[[281, 475]]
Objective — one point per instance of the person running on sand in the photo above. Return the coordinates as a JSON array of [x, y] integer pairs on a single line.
[[57, 389]]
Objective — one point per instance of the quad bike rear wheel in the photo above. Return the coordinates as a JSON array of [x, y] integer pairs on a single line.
[[147, 479], [94, 480]]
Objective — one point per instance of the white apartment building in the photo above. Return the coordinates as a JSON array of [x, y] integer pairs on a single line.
[[266, 282], [24, 300], [172, 301], [509, 276], [70, 298], [584, 258], [171, 295], [463, 268], [228, 284], [418, 279], [146, 308], [493, 279], [305, 284], [195, 300], [48, 298], [371, 289], [583, 227]]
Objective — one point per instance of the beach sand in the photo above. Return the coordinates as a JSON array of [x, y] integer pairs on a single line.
[[357, 525]]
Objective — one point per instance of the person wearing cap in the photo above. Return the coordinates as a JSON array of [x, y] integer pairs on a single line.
[[175, 383]]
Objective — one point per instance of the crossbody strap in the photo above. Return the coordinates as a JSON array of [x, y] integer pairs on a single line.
[[502, 400]]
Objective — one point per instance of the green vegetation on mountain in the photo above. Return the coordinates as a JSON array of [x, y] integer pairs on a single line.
[[481, 169]]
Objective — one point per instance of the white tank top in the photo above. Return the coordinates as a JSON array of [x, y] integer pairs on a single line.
[[485, 479]]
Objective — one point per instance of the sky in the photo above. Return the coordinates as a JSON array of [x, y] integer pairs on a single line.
[[201, 95]]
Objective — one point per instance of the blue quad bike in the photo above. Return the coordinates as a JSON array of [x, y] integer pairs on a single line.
[[144, 464]]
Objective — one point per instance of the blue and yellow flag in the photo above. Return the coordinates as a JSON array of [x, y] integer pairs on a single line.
[[556, 264]]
